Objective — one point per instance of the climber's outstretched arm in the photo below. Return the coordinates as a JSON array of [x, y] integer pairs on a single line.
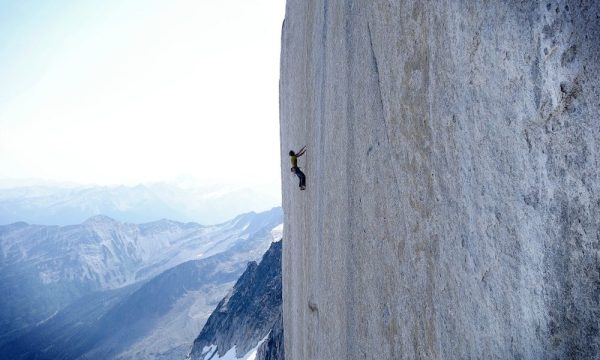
[[302, 151]]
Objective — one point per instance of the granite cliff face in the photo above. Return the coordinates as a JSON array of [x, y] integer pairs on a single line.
[[453, 185]]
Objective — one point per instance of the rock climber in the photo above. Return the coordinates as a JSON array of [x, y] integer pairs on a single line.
[[295, 169]]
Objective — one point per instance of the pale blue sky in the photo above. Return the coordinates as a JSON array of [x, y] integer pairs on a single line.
[[129, 91]]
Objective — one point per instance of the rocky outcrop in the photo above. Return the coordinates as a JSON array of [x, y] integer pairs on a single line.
[[273, 347], [247, 315], [453, 185]]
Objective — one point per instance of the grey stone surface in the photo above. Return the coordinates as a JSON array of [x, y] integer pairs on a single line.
[[453, 192]]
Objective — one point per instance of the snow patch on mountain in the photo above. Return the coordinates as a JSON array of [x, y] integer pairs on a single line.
[[277, 232], [209, 351]]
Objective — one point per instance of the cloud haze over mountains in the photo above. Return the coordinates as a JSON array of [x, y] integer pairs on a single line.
[[70, 204]]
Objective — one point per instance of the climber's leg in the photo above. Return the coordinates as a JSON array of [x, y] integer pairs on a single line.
[[302, 178]]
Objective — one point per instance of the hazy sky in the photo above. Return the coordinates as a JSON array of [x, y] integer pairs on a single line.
[[129, 91]]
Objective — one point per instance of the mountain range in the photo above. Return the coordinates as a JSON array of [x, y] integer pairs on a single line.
[[108, 289]]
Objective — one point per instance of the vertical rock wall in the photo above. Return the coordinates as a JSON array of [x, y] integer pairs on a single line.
[[452, 207]]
